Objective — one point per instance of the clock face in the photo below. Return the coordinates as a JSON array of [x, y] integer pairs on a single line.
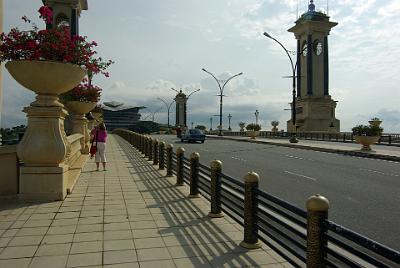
[[318, 47], [304, 49]]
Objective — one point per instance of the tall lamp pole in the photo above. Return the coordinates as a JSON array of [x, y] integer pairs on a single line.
[[229, 119], [293, 138], [168, 107], [210, 123], [256, 114], [221, 91]]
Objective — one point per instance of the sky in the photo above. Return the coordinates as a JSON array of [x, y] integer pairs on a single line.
[[157, 45]]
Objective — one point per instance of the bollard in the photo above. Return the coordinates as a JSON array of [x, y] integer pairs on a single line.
[[155, 152], [150, 148], [250, 240], [161, 151], [317, 214], [179, 166], [194, 175], [216, 170], [170, 148]]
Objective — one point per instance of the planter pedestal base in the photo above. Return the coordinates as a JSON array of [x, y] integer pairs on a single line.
[[43, 183], [43, 149], [80, 126]]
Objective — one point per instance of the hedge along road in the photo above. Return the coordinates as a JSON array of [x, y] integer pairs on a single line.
[[363, 193]]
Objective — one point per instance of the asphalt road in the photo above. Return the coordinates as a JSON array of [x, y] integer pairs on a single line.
[[364, 193]]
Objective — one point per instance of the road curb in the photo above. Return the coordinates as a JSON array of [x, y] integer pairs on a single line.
[[313, 148]]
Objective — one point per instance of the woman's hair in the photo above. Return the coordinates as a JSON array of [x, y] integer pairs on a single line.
[[102, 126]]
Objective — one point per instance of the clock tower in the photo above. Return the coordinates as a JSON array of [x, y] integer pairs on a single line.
[[315, 109]]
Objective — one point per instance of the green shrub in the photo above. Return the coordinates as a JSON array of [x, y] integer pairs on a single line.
[[363, 130], [254, 127]]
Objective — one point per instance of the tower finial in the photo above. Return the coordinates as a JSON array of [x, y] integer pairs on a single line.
[[311, 6]]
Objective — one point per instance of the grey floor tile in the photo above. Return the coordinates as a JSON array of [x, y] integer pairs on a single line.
[[119, 256], [53, 249], [193, 262], [86, 259], [118, 244], [93, 236], [58, 239], [18, 252], [49, 261], [157, 264], [153, 254], [86, 247], [150, 242], [20, 263], [25, 241]]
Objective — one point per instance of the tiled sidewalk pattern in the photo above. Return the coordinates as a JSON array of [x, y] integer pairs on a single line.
[[127, 216]]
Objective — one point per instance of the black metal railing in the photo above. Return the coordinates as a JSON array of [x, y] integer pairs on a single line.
[[291, 231]]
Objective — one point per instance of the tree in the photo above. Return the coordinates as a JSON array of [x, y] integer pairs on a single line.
[[146, 127], [201, 127]]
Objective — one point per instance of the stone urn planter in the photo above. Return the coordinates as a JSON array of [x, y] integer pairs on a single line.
[[80, 122], [252, 133], [366, 141], [375, 122], [48, 79], [44, 142]]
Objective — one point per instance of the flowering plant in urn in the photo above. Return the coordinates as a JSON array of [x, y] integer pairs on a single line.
[[49, 47]]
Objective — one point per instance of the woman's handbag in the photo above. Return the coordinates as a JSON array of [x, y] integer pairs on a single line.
[[93, 147]]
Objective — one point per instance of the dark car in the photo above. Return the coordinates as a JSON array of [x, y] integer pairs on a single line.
[[193, 135]]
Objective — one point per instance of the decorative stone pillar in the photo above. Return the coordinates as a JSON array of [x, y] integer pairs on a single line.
[[80, 123], [44, 148]]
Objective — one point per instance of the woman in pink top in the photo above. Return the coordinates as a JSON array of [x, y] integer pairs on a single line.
[[99, 134]]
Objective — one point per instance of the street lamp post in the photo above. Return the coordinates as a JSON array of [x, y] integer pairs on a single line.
[[210, 123], [168, 107], [221, 91], [229, 119], [293, 138], [256, 114]]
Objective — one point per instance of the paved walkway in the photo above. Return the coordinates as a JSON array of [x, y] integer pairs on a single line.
[[378, 151], [128, 216]]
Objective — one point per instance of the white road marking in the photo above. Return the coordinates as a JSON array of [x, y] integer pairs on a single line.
[[239, 159], [380, 172], [299, 175], [300, 158]]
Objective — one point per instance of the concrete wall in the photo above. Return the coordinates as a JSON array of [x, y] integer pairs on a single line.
[[8, 170], [1, 66]]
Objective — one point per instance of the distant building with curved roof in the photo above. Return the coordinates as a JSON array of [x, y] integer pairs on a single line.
[[119, 115]]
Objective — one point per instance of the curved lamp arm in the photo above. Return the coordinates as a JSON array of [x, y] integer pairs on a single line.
[[284, 48], [192, 93], [230, 78], [219, 85]]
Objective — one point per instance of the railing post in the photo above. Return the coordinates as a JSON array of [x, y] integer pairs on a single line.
[[161, 152], [155, 151], [142, 143], [216, 171], [194, 175], [317, 214], [390, 139], [150, 148], [170, 148], [250, 240], [145, 146], [180, 152]]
